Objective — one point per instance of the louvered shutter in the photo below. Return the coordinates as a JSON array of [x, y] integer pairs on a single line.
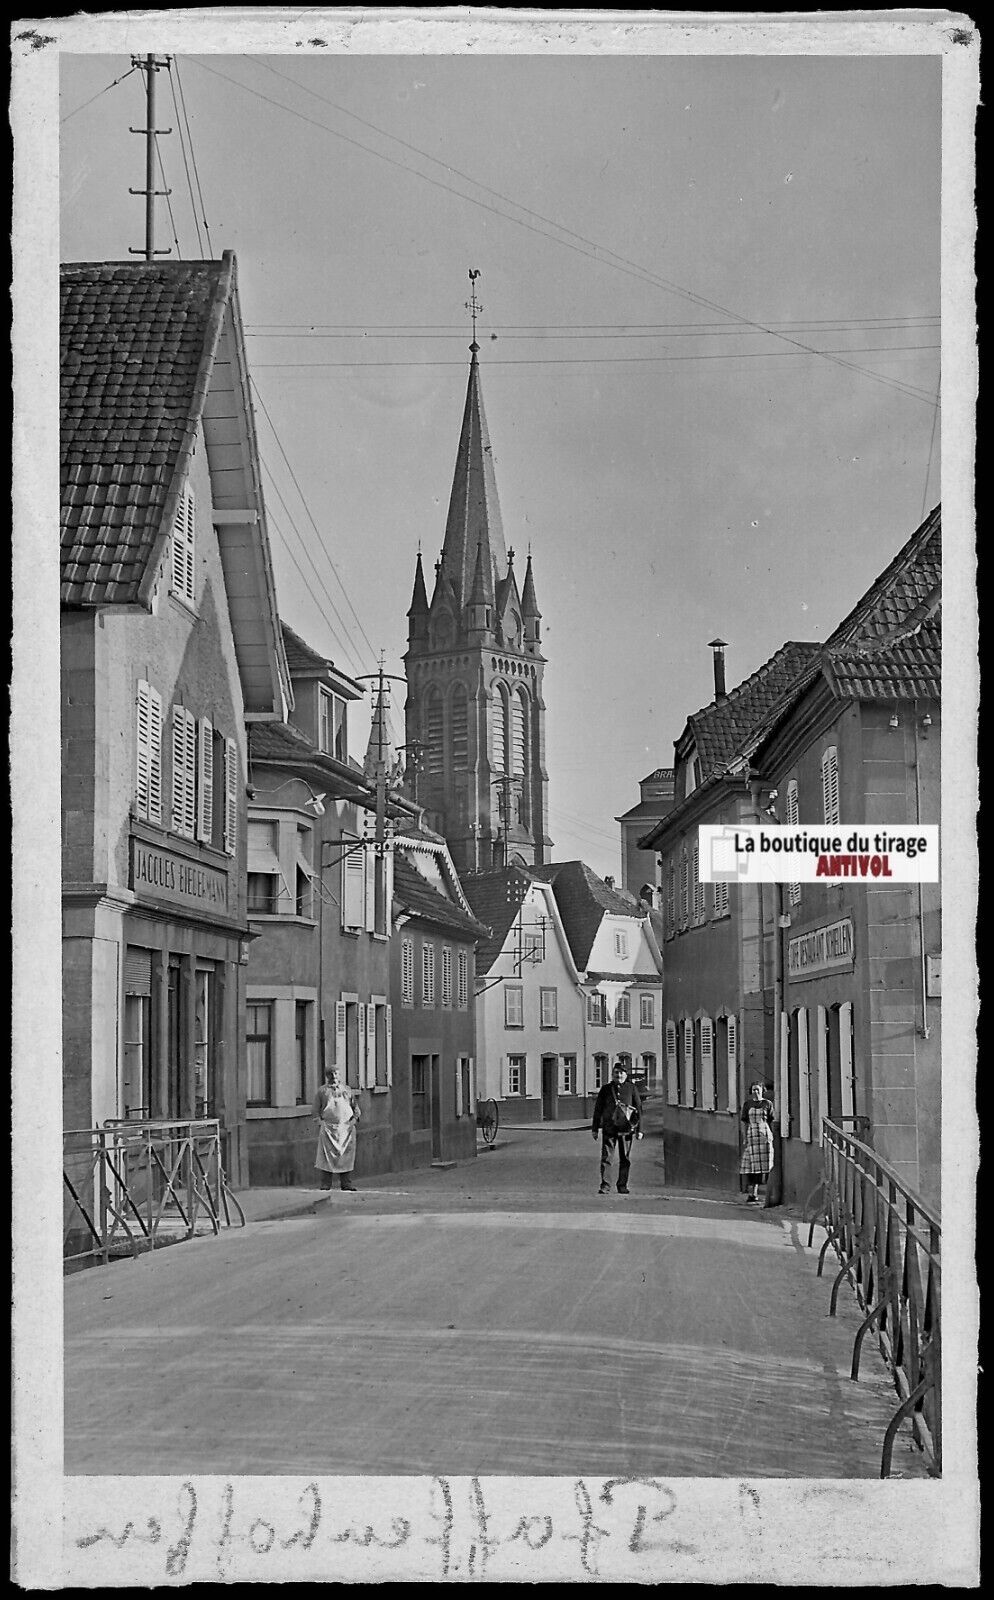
[[459, 1106], [688, 1062], [143, 751], [340, 1042], [360, 1044], [803, 1076], [353, 885], [407, 972], [830, 785], [794, 889], [184, 570], [720, 899], [471, 1080], [368, 855], [731, 1065], [708, 1090], [230, 796], [672, 1085], [155, 755], [190, 797], [784, 1074], [845, 1060], [821, 1069], [184, 772], [697, 884], [389, 1045], [370, 1045], [388, 891], [205, 780]]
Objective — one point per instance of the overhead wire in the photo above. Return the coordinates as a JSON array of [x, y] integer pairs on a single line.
[[193, 158], [613, 258], [344, 637], [75, 112], [186, 164]]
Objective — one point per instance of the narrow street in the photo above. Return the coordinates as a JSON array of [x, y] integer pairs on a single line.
[[498, 1317]]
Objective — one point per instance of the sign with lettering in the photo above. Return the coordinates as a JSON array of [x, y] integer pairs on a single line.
[[825, 949], [158, 874]]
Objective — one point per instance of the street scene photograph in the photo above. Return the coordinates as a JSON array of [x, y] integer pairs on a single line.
[[482, 802]]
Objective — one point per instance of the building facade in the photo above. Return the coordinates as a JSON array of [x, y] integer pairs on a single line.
[[639, 867], [170, 646], [434, 1073], [475, 713]]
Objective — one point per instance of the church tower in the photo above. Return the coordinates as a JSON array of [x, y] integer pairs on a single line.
[[475, 715]]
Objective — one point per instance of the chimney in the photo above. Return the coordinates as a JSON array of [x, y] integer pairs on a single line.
[[718, 647], [609, 882]]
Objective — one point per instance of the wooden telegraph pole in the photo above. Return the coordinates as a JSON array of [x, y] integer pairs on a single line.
[[150, 66]]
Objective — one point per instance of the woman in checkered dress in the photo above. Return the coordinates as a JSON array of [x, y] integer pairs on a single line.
[[757, 1145]]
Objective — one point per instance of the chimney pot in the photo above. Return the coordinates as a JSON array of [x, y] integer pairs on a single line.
[[717, 646]]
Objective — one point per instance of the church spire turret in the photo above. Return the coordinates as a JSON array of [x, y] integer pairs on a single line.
[[417, 614], [531, 616]]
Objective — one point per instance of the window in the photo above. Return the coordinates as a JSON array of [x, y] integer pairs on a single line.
[[620, 942], [434, 726], [569, 1075], [516, 1074], [498, 711], [301, 1033], [205, 780], [446, 976], [649, 1073], [721, 899], [259, 1042], [695, 859], [407, 972], [332, 725], [460, 729], [420, 1084], [623, 1012], [830, 785], [351, 1045], [514, 1009], [184, 575], [600, 1071], [532, 945], [263, 894], [379, 1060], [462, 993], [465, 1098], [304, 898], [184, 792], [596, 1010], [427, 974], [647, 1011], [549, 1008], [148, 742], [684, 888], [794, 889]]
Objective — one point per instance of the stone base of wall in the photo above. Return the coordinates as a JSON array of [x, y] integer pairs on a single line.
[[281, 1152]]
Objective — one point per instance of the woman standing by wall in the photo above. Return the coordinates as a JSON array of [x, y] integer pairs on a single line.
[[757, 1144]]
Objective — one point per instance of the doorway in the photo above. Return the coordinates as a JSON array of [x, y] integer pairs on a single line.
[[550, 1088], [436, 1108]]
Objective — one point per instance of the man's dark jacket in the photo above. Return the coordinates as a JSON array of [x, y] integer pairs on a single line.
[[604, 1105]]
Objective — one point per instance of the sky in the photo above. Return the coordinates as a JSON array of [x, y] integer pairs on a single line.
[[639, 223]]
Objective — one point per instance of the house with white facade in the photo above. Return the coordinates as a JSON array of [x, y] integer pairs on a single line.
[[529, 1001]]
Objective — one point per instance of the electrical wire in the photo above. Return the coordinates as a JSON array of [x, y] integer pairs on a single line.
[[193, 158], [168, 198], [186, 164], [931, 447], [344, 638], [78, 109]]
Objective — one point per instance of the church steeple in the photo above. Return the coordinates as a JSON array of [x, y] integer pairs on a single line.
[[474, 667]]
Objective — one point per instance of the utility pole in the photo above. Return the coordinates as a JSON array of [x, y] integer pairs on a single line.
[[380, 678], [150, 66]]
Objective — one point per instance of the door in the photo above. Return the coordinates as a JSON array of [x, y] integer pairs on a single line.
[[550, 1088], [436, 1108]]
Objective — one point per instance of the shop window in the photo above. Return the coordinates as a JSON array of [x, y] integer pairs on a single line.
[[137, 1046], [259, 1052]]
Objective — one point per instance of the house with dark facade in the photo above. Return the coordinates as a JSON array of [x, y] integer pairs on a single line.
[[432, 983], [641, 867], [170, 652], [828, 993]]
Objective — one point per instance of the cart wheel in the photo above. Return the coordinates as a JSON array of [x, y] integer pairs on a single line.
[[489, 1120]]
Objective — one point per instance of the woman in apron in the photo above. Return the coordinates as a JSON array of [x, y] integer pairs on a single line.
[[337, 1113], [757, 1146]]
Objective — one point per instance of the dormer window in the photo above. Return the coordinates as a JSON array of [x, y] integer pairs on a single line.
[[332, 725], [184, 576]]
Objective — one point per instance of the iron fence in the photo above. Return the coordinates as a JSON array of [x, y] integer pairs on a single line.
[[132, 1185], [888, 1243]]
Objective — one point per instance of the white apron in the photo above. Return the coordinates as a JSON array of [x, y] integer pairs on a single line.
[[336, 1138]]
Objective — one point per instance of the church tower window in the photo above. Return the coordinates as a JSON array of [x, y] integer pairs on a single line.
[[500, 729], [433, 726], [460, 729]]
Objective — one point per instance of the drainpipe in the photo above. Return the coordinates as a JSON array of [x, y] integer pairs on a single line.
[[924, 1030]]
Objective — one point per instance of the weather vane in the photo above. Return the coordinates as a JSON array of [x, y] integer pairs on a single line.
[[473, 305]]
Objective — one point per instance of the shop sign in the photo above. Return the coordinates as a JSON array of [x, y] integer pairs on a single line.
[[158, 874], [825, 949]]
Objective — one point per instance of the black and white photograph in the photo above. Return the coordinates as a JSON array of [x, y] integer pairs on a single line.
[[485, 830]]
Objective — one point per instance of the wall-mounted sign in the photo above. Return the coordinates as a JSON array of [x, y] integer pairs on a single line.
[[162, 875], [825, 949]]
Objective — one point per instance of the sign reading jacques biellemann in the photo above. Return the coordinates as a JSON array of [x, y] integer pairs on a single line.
[[167, 876]]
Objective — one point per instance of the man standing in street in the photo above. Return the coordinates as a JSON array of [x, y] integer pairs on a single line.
[[618, 1120]]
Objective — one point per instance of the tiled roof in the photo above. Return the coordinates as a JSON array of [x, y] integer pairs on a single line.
[[649, 810], [137, 344], [583, 898], [299, 656], [496, 899], [420, 899], [889, 647], [721, 729], [279, 742]]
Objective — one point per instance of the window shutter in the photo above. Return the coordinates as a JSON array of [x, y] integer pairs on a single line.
[[184, 571], [821, 1068], [340, 1036], [688, 1061], [407, 972], [720, 899], [353, 885], [389, 1043], [794, 889], [784, 1075], [846, 1061], [708, 1094], [360, 1044], [230, 796], [671, 1078], [471, 1076], [388, 891], [695, 860], [803, 1076], [459, 1108], [368, 857], [830, 785], [143, 750], [732, 1065], [184, 772], [370, 1045], [205, 780]]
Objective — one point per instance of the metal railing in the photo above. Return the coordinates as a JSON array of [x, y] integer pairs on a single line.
[[132, 1185], [888, 1243]]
